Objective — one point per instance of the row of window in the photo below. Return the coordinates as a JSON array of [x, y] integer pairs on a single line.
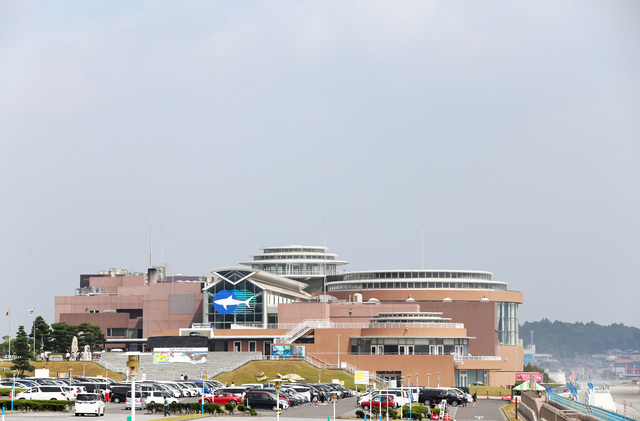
[[409, 341], [306, 257], [409, 349], [508, 330], [123, 332], [356, 286], [286, 270], [290, 250], [361, 276]]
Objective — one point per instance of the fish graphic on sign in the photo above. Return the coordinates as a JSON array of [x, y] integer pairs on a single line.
[[234, 301]]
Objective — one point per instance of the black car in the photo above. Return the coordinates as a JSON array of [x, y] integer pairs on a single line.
[[431, 397], [258, 398], [118, 394]]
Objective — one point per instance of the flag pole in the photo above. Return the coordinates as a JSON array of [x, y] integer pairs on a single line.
[[9, 314]]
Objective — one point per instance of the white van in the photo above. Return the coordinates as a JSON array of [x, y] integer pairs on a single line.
[[90, 403], [44, 393]]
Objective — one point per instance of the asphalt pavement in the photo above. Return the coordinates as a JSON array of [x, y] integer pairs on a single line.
[[485, 410]]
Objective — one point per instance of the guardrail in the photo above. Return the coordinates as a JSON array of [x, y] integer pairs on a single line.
[[603, 414], [110, 366]]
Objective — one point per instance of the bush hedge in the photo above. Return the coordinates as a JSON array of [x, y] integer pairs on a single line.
[[196, 408], [36, 405]]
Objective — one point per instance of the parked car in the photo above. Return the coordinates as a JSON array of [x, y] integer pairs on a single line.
[[222, 398], [380, 401], [46, 393], [263, 399], [89, 403], [158, 396], [118, 394], [400, 397], [138, 402], [431, 397]]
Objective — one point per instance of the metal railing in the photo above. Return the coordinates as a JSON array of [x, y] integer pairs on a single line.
[[317, 362], [302, 328], [482, 357], [603, 414], [110, 366]]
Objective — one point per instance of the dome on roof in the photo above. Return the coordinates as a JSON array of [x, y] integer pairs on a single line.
[[411, 300], [447, 300], [485, 300], [374, 300]]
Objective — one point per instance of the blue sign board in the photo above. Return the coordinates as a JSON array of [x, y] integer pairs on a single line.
[[234, 301]]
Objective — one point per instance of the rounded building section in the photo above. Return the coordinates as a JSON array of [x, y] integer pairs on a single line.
[[308, 264], [462, 294]]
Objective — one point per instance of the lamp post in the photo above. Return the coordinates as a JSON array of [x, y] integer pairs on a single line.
[[338, 335], [438, 379], [408, 380], [428, 379], [277, 387], [417, 383]]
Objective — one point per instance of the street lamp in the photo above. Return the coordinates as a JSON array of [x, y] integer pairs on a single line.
[[408, 380], [438, 379], [338, 335], [417, 383], [428, 379]]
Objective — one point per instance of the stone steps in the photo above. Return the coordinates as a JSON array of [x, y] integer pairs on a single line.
[[217, 362]]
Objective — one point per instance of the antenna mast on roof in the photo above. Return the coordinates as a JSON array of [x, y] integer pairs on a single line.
[[151, 242], [423, 247], [324, 262]]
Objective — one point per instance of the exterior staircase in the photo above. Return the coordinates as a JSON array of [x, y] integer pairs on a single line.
[[218, 362], [302, 328]]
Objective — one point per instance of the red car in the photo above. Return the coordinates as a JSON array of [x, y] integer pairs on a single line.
[[382, 402], [222, 398]]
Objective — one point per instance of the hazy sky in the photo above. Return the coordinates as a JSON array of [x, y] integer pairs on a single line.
[[509, 130]]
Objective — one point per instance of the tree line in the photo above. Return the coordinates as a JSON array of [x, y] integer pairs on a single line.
[[56, 338], [571, 339]]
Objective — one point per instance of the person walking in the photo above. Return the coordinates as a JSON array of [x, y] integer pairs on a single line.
[[166, 407], [475, 397], [315, 400]]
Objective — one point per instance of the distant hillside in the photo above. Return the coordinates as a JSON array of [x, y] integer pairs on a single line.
[[571, 339]]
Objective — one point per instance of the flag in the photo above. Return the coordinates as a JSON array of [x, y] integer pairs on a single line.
[[31, 311], [8, 313]]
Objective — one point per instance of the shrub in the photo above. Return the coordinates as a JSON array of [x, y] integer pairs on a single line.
[[240, 407], [392, 412], [253, 412], [360, 413], [229, 407], [37, 405]]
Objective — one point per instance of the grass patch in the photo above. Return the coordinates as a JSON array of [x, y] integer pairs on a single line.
[[491, 390], [184, 417], [510, 410], [247, 373], [91, 369]]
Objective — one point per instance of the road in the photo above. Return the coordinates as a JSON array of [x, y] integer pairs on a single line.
[[486, 410]]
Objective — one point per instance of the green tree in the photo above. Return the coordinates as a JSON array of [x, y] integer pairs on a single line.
[[530, 368], [4, 347], [61, 337], [89, 334], [21, 350], [43, 335]]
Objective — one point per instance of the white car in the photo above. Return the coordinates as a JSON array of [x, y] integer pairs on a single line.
[[157, 396], [89, 403], [44, 393]]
